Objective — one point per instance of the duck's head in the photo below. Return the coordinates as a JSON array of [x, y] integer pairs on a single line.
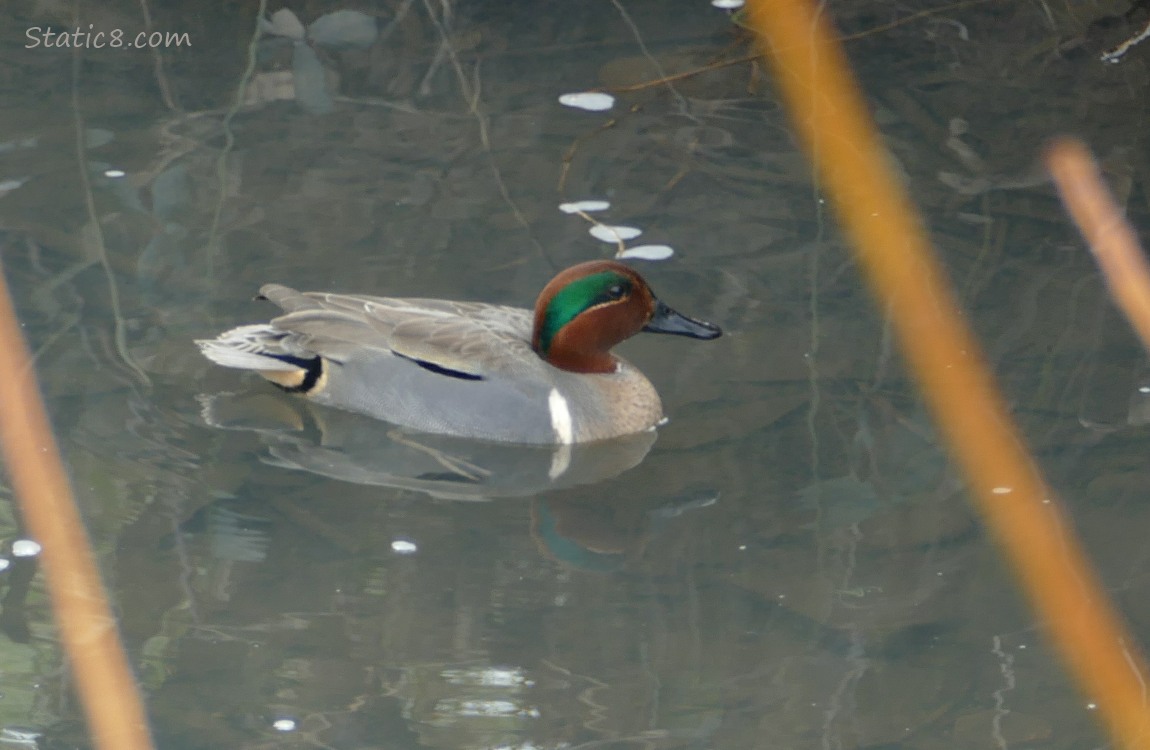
[[589, 308]]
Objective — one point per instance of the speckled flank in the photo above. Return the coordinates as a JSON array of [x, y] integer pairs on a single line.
[[633, 402]]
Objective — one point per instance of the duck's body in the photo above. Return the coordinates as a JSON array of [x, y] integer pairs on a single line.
[[467, 368]]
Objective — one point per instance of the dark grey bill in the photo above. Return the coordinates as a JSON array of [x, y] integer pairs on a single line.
[[666, 320]]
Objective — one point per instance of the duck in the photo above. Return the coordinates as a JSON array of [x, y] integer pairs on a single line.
[[491, 372]]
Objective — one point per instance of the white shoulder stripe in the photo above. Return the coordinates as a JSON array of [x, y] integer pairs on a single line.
[[561, 418]]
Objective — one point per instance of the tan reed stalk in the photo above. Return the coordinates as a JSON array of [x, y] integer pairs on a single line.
[[829, 113], [104, 682]]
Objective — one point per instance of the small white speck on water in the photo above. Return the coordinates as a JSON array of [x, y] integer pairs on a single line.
[[592, 101], [404, 547], [25, 548]]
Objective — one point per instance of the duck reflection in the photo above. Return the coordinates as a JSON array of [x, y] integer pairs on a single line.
[[358, 449], [602, 533], [585, 531]]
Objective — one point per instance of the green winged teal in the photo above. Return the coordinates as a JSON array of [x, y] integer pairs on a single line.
[[467, 368]]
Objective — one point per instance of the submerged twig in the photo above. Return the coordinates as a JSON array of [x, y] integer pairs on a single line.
[[229, 136], [1116, 53], [119, 332], [158, 63], [471, 91]]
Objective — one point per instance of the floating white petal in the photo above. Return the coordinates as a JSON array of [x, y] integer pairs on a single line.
[[25, 548], [284, 725], [648, 252], [584, 207], [614, 234], [4, 563], [728, 4], [593, 101], [403, 547]]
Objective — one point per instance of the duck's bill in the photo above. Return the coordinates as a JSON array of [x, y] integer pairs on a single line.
[[666, 320]]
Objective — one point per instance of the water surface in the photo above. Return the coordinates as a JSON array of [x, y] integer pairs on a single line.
[[792, 564]]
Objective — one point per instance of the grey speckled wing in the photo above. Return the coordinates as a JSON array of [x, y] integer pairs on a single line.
[[471, 338]]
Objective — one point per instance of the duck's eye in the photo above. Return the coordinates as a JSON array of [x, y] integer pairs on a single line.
[[616, 291]]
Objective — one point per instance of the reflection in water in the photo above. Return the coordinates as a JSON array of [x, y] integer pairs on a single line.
[[361, 450], [602, 533], [237, 536], [791, 564]]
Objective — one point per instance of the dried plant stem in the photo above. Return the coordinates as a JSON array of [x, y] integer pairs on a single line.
[[158, 62], [95, 232], [223, 197], [664, 79], [1115, 54], [104, 681], [1109, 235], [830, 115], [470, 90]]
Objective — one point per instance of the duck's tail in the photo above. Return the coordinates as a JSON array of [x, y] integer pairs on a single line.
[[266, 350], [254, 347]]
